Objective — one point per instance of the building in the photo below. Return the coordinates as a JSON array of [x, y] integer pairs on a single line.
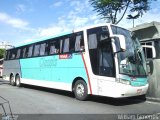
[[5, 45], [149, 34]]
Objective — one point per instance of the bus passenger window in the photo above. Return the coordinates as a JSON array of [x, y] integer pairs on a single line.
[[54, 47], [7, 55], [13, 55], [23, 52], [46, 49], [18, 53], [79, 44], [72, 44], [42, 49], [61, 45], [36, 50], [66, 46], [30, 51]]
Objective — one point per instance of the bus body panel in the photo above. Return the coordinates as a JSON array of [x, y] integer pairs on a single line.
[[135, 81], [59, 69], [119, 90], [48, 84], [11, 67], [139, 82]]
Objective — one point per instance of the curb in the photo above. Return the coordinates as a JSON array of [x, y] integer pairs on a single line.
[[153, 99]]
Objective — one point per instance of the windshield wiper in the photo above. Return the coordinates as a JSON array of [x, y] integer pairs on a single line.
[[138, 54]]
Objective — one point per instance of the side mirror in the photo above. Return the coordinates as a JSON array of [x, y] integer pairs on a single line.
[[149, 51], [120, 42]]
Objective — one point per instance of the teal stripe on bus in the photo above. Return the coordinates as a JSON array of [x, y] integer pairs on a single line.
[[139, 81], [52, 68]]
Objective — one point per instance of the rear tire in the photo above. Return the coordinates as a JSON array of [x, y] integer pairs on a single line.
[[18, 81], [12, 82], [80, 90]]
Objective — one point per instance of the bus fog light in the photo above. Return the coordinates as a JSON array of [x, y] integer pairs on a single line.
[[124, 81]]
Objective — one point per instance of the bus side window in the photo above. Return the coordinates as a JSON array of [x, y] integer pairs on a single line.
[[18, 53], [30, 50], [25, 52], [61, 45], [66, 45], [79, 43], [46, 49], [42, 49], [72, 44], [54, 47], [7, 55], [13, 54], [36, 50]]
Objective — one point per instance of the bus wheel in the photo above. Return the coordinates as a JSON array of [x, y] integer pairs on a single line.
[[18, 82], [80, 90], [12, 80]]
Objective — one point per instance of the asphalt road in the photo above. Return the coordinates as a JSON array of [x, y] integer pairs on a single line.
[[37, 100]]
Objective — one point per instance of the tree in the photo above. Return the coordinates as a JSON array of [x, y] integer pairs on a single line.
[[109, 9], [2, 51]]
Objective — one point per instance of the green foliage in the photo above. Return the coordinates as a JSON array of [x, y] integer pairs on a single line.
[[2, 51], [109, 9]]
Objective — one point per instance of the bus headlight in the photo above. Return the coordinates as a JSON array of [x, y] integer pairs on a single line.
[[124, 81]]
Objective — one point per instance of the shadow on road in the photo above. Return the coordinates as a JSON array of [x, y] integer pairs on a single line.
[[3, 82], [97, 99], [116, 101], [50, 90]]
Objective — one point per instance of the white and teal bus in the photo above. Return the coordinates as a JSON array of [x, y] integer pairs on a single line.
[[103, 60]]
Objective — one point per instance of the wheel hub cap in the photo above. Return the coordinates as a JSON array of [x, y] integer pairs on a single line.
[[80, 90]]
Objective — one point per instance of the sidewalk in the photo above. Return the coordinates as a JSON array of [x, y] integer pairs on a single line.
[[153, 99]]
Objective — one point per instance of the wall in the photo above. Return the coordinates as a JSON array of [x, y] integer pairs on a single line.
[[151, 32]]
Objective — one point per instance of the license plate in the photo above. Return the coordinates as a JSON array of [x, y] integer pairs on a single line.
[[139, 91]]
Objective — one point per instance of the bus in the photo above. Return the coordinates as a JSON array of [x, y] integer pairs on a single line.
[[101, 60]]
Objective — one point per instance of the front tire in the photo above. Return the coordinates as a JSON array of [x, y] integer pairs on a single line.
[[18, 81], [80, 90]]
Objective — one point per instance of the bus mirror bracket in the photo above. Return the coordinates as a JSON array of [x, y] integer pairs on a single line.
[[122, 42]]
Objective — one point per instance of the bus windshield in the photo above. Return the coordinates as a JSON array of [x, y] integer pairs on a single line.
[[132, 61]]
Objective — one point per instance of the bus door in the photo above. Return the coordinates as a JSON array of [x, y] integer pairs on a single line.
[[106, 68], [101, 57]]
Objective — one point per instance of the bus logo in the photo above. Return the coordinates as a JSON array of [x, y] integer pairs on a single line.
[[133, 78], [65, 56]]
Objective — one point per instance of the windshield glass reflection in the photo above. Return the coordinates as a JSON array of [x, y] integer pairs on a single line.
[[132, 61]]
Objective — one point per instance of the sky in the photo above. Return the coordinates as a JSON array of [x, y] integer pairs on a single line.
[[23, 21]]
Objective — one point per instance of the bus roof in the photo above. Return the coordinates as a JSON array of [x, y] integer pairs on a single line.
[[62, 34], [43, 39]]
